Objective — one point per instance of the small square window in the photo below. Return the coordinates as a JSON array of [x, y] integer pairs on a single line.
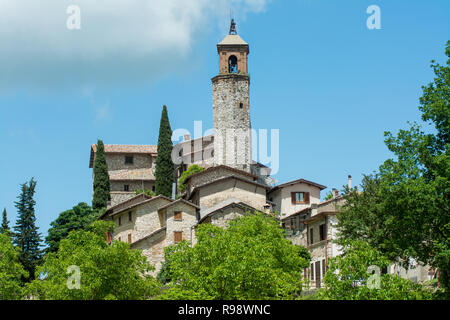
[[128, 159], [300, 197], [126, 188]]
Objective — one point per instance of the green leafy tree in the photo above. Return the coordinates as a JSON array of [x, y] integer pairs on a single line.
[[26, 235], [164, 172], [101, 178], [251, 259], [4, 229], [354, 276], [111, 272], [11, 270], [403, 208], [189, 172], [79, 217], [148, 192]]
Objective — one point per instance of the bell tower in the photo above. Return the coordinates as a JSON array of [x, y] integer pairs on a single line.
[[231, 104]]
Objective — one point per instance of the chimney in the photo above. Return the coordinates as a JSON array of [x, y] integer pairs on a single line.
[[349, 181], [187, 137]]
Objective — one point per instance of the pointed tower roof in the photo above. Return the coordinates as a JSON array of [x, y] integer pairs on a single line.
[[232, 39]]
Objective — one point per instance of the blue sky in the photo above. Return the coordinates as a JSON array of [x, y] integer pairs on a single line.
[[331, 85]]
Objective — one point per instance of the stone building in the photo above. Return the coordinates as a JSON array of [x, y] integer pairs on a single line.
[[130, 168], [231, 185]]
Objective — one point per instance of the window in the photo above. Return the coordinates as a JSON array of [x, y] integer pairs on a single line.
[[119, 221], [126, 187], [312, 271], [232, 64], [177, 236], [322, 232], [177, 216], [241, 105], [311, 236], [120, 239], [130, 218], [300, 197], [324, 269], [129, 238], [153, 188], [128, 159]]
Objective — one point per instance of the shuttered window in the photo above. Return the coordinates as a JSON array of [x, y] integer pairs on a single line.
[[300, 197], [177, 236], [311, 236], [312, 271]]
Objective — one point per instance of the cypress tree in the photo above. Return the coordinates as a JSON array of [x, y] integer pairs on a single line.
[[4, 229], [26, 235], [101, 179], [164, 165]]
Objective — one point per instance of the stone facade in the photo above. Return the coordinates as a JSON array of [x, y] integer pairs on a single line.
[[231, 110]]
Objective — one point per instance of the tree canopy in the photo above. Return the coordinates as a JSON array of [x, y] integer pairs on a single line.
[[164, 172], [189, 172], [11, 270], [101, 178], [26, 236], [105, 271], [79, 217], [356, 275], [251, 259], [403, 209], [4, 228]]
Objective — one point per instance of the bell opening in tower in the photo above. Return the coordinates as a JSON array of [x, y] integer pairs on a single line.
[[232, 64]]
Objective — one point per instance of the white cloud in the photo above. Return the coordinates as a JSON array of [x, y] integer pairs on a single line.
[[118, 39]]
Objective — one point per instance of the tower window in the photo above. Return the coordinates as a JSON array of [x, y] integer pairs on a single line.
[[241, 105], [232, 64], [128, 159]]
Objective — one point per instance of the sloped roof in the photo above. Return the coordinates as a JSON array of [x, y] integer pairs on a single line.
[[232, 39], [178, 201], [286, 184], [241, 205], [131, 203], [220, 167], [150, 235]]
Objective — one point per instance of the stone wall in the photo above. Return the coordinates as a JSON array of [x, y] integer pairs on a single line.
[[116, 161], [231, 110], [213, 175], [248, 193], [188, 220], [153, 249]]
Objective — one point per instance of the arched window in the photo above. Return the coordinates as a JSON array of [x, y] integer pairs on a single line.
[[232, 64]]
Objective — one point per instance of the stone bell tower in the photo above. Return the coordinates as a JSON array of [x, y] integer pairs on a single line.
[[231, 104]]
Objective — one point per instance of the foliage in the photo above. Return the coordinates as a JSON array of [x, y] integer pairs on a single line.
[[404, 208], [164, 166], [148, 192], [26, 236], [79, 217], [106, 271], [101, 178], [11, 270], [329, 195], [348, 277], [189, 172], [4, 229], [251, 259]]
